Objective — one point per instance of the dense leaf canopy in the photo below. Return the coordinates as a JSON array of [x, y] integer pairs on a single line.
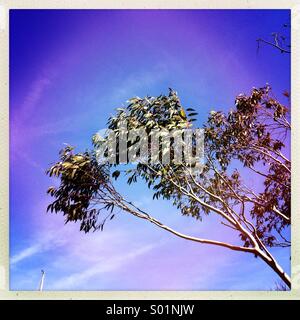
[[248, 140]]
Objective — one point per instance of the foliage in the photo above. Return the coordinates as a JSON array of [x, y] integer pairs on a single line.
[[254, 134], [248, 140], [83, 188]]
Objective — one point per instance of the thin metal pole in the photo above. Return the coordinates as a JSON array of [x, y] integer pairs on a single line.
[[42, 281]]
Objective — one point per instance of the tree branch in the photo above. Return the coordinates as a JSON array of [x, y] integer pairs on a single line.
[[275, 45], [143, 215]]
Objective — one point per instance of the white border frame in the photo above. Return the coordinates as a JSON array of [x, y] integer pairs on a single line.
[[4, 147]]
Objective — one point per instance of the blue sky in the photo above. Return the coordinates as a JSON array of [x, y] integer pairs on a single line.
[[68, 71]]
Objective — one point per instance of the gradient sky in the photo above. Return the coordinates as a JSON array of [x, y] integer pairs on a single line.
[[68, 71]]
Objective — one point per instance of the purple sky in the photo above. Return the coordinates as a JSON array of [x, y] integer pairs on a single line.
[[68, 71]]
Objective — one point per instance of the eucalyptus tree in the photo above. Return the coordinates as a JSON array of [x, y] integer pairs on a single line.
[[252, 139]]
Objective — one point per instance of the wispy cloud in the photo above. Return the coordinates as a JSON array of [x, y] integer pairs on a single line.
[[34, 95], [89, 254], [26, 253], [78, 279], [21, 130], [40, 244]]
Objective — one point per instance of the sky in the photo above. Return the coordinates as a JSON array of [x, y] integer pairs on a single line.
[[69, 70]]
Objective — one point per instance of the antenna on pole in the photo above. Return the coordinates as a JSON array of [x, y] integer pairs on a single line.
[[42, 281]]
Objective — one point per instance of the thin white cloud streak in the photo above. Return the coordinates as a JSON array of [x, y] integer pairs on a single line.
[[26, 253], [41, 244], [34, 95], [104, 266], [52, 234]]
